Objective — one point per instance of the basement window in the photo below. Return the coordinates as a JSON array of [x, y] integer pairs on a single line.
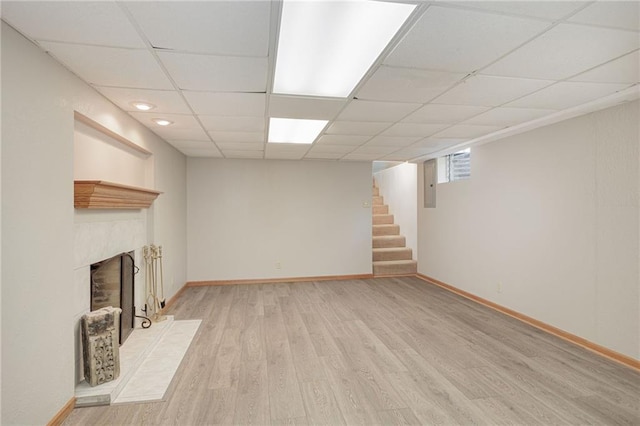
[[456, 166]]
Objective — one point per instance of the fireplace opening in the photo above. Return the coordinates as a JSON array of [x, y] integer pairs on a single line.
[[112, 283]]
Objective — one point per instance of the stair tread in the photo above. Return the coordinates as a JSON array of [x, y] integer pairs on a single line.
[[385, 249], [394, 262], [388, 236]]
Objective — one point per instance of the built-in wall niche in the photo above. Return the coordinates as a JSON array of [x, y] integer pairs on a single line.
[[100, 154]]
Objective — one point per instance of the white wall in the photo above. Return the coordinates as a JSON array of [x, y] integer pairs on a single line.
[[398, 186], [39, 294], [551, 217], [246, 215]]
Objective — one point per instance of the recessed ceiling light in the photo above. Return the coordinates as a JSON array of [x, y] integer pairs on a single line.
[[162, 122], [143, 106], [293, 130], [326, 47]]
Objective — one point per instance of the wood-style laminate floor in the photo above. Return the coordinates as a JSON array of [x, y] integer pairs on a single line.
[[379, 351]]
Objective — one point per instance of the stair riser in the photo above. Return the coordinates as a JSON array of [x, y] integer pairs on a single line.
[[379, 230], [398, 241], [383, 219], [380, 209], [404, 269], [405, 254], [377, 201], [376, 191]]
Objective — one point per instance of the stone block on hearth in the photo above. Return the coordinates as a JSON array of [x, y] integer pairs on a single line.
[[100, 341]]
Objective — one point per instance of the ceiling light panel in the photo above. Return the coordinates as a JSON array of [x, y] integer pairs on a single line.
[[461, 40], [216, 73], [448, 114], [96, 22], [227, 104], [565, 51], [108, 66], [325, 48], [219, 27], [377, 111], [298, 131], [567, 94], [617, 14], [165, 101], [300, 107]]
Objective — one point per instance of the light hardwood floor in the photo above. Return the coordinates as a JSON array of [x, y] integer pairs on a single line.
[[379, 351]]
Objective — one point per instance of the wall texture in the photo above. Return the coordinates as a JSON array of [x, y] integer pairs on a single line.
[[398, 186], [548, 226], [38, 316], [244, 216]]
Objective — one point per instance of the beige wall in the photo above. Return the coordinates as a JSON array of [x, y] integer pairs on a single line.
[[548, 226], [244, 216], [38, 318]]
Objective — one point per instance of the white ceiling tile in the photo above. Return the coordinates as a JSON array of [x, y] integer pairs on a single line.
[[88, 22], [413, 129], [362, 128], [567, 94], [232, 124], [360, 157], [622, 70], [564, 51], [315, 155], [201, 152], [220, 27], [165, 101], [281, 151], [309, 108], [227, 104], [180, 121], [397, 141], [461, 40], [552, 10], [484, 90], [243, 154], [108, 66], [617, 14], [407, 85], [171, 133], [436, 144], [248, 137], [216, 73], [508, 116], [350, 140], [336, 149], [448, 114], [239, 146], [377, 111], [466, 131], [180, 144], [374, 152]]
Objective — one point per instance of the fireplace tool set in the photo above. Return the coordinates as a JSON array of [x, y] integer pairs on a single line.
[[155, 300]]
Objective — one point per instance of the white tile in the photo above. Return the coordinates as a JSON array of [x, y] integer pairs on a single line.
[[316, 155], [361, 128], [227, 104], [461, 40], [564, 51], [448, 114], [567, 94], [247, 137], [300, 107], [243, 154], [397, 141], [375, 150], [407, 154], [466, 131], [350, 140], [437, 144], [180, 121], [413, 129], [233, 124], [551, 10], [377, 111], [96, 22], [334, 149], [180, 144], [484, 90], [617, 14], [174, 133], [285, 151], [220, 27], [508, 116], [360, 157], [236, 146], [168, 101], [407, 85], [108, 66], [210, 152], [622, 70], [216, 73]]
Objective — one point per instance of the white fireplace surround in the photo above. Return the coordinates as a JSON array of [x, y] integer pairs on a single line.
[[99, 235]]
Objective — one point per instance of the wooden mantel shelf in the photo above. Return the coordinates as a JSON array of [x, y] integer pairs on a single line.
[[98, 194]]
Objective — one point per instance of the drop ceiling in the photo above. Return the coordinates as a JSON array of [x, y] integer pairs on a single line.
[[457, 73]]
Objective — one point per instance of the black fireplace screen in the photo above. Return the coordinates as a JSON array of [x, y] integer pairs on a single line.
[[112, 285]]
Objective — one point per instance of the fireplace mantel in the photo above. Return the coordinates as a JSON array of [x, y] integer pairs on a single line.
[[98, 194]]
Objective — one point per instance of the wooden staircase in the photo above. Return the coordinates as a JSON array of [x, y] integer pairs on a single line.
[[390, 254]]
